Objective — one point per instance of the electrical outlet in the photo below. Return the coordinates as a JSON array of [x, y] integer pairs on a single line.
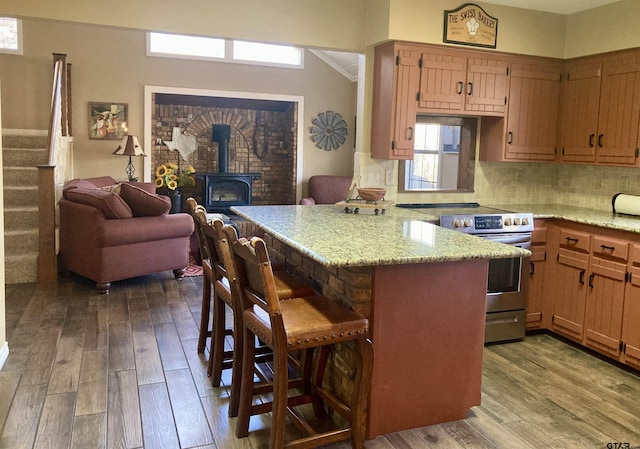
[[388, 178]]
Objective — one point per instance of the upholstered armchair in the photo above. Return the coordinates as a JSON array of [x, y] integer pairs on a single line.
[[327, 189]]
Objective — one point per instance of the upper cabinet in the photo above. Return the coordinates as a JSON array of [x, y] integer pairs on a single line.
[[396, 82], [454, 82], [601, 110], [529, 132]]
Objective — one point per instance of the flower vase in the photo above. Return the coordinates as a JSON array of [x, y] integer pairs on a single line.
[[176, 201]]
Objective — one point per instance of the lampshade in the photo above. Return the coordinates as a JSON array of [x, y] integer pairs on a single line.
[[129, 147]]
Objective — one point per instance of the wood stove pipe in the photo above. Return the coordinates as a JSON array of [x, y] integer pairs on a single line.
[[222, 134]]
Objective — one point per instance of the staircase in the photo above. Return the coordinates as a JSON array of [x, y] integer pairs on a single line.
[[21, 154]]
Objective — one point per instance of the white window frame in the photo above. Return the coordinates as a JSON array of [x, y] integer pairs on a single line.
[[228, 54], [19, 50]]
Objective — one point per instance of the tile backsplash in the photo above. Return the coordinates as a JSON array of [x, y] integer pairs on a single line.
[[547, 183]]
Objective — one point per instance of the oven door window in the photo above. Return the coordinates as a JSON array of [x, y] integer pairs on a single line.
[[504, 275]]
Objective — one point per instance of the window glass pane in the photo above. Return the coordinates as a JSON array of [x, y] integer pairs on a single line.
[[277, 54], [10, 34], [186, 45]]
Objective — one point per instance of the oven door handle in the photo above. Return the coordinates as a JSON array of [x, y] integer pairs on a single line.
[[509, 239]]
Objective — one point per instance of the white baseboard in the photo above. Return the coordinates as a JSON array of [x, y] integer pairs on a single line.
[[4, 353]]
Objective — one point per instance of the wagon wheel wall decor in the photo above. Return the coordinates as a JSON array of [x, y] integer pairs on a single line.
[[328, 130]]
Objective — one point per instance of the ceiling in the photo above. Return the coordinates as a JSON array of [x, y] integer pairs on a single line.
[[347, 63]]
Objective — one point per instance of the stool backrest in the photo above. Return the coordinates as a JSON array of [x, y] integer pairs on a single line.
[[193, 206], [210, 243], [254, 273]]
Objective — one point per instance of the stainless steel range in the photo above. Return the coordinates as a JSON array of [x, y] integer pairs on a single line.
[[508, 278]]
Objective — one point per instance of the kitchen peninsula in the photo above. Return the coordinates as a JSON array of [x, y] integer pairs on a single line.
[[423, 289]]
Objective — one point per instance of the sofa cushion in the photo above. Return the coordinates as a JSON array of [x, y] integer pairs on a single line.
[[148, 186], [143, 203], [111, 205], [78, 184]]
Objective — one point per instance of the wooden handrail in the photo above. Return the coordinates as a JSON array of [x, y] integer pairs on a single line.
[[58, 126]]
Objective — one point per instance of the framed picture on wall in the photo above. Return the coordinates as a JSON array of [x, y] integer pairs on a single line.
[[108, 121]]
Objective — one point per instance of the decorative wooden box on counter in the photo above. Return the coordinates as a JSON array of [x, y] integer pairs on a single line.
[[423, 289]]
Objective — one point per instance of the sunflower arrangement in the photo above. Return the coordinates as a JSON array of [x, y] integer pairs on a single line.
[[170, 176]]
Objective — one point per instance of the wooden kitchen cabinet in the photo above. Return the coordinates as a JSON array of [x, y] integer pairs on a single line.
[[601, 109], [395, 89], [529, 132], [631, 316], [580, 104], [535, 292], [605, 294], [455, 81], [569, 287]]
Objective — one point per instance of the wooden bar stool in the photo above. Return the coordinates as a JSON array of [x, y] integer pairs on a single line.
[[207, 274], [287, 286], [297, 324]]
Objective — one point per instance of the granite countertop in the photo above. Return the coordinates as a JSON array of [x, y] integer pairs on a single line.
[[328, 235], [604, 219]]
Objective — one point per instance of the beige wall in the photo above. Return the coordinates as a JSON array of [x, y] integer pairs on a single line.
[[611, 27], [328, 24], [109, 64]]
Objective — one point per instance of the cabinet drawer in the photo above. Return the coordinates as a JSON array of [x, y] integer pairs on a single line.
[[635, 254], [609, 247], [575, 240]]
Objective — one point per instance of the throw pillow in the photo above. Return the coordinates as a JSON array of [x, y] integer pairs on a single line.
[[111, 205], [78, 184], [115, 188], [143, 203]]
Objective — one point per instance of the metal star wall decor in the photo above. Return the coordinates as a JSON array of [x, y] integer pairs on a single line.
[[182, 143], [329, 130]]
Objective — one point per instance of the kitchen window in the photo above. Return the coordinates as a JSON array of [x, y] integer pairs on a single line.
[[444, 155], [10, 35]]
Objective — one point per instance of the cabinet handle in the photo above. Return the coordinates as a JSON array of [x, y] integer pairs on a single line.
[[591, 280], [510, 140], [600, 136], [470, 88], [605, 247], [410, 136], [460, 87], [572, 240], [591, 136], [581, 279], [533, 269]]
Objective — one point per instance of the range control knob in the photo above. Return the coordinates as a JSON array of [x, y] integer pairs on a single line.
[[525, 221], [457, 223], [507, 221], [467, 222], [516, 221]]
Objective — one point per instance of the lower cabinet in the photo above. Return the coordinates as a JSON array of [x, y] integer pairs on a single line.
[[631, 316], [535, 293], [593, 289]]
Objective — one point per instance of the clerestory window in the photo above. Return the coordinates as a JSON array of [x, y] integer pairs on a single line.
[[10, 35], [223, 50]]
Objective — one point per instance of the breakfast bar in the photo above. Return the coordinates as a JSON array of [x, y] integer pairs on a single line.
[[423, 289]]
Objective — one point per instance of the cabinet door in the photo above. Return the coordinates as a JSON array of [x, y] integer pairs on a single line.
[[631, 318], [605, 299], [395, 88], [619, 115], [442, 82], [535, 293], [487, 84], [532, 120], [570, 290], [579, 117]]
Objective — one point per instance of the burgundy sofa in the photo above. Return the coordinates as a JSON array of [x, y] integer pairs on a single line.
[[111, 231], [327, 189]]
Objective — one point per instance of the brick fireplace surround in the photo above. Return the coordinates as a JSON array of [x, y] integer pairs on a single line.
[[263, 140]]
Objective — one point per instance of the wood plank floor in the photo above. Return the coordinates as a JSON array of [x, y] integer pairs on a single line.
[[122, 371]]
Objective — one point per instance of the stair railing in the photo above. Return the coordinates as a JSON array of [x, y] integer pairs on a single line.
[[51, 175]]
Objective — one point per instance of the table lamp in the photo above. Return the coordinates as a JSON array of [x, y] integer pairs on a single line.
[[130, 147]]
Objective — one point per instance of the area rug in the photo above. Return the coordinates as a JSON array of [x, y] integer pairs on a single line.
[[193, 269]]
